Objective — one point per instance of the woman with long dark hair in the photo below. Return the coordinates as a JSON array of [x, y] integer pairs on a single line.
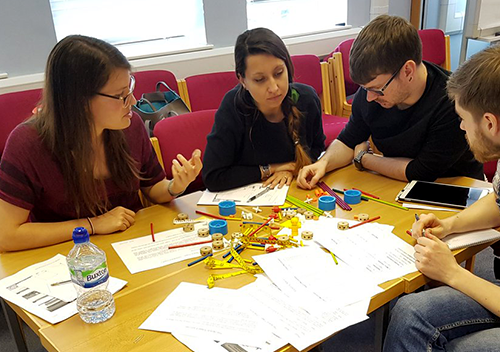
[[267, 127], [83, 157]]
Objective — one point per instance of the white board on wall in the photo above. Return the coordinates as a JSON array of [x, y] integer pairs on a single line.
[[489, 15]]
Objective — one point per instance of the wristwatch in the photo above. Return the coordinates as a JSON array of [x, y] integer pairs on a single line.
[[266, 171], [357, 160]]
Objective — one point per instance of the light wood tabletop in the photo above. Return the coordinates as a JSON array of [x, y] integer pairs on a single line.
[[146, 290]]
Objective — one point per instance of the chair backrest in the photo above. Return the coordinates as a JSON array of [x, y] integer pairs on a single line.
[[435, 47], [344, 48], [145, 81], [14, 109], [308, 69], [205, 91], [182, 135]]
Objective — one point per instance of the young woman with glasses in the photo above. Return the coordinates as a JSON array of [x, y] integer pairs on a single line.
[[83, 157]]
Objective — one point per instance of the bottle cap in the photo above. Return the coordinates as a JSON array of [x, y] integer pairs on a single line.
[[80, 235]]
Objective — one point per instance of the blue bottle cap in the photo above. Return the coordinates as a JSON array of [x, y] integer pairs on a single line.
[[80, 235]]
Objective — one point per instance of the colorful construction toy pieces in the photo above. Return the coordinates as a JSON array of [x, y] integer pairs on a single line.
[[188, 227], [307, 235], [362, 217], [217, 237], [182, 216], [205, 250], [203, 232], [309, 215], [217, 245], [342, 225]]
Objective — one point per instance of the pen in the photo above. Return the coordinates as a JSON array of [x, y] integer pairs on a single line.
[[334, 258], [261, 193], [60, 283], [418, 219], [152, 231]]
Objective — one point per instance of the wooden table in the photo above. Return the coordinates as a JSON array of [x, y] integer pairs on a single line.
[[146, 290]]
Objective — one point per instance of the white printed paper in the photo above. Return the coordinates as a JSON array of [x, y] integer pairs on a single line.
[[32, 290], [242, 196], [140, 254]]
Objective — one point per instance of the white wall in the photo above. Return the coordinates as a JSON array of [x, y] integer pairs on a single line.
[[32, 36]]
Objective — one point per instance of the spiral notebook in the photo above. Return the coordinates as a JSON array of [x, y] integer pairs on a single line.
[[468, 239]]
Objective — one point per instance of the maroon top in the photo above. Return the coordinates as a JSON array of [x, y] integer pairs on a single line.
[[31, 178]]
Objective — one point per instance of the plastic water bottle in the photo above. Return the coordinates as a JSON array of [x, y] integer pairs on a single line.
[[90, 276]]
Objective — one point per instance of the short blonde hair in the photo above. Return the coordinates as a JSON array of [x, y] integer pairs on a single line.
[[475, 85]]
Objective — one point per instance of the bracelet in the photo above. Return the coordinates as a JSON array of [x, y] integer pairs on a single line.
[[170, 190], [91, 225]]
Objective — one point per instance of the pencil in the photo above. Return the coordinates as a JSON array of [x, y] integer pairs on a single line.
[[334, 258], [386, 203], [261, 226], [366, 193], [200, 259], [189, 244], [364, 222], [152, 231]]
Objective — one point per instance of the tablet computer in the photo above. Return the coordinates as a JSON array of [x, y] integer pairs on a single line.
[[441, 194]]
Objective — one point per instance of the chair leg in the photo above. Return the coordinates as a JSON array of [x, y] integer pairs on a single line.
[[15, 327], [381, 324], [469, 263]]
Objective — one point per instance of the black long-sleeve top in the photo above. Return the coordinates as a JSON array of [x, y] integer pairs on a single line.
[[241, 141], [427, 132]]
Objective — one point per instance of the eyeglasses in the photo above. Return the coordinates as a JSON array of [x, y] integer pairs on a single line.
[[380, 92], [127, 100]]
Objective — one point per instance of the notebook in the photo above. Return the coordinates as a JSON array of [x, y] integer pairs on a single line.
[[468, 239]]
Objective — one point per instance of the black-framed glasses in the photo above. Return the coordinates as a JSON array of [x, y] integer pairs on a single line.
[[380, 92], [127, 100]]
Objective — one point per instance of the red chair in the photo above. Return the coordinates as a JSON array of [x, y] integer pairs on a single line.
[[309, 70], [14, 109], [182, 135], [435, 47], [205, 91], [145, 81]]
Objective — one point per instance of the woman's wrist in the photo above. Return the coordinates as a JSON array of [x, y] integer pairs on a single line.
[[172, 191], [265, 171]]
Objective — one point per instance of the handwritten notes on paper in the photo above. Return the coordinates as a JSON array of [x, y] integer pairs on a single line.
[[242, 196]]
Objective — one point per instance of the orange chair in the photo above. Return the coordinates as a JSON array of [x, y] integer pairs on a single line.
[[145, 81], [14, 109], [309, 70], [435, 49], [205, 91], [182, 135]]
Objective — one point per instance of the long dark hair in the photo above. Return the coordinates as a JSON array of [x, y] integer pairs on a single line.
[[264, 41], [77, 68]]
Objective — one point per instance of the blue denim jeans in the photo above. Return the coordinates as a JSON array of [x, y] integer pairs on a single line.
[[441, 319]]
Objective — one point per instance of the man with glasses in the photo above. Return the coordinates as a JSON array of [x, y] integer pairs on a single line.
[[403, 107]]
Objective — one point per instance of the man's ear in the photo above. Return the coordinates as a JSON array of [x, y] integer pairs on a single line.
[[491, 122], [410, 69]]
